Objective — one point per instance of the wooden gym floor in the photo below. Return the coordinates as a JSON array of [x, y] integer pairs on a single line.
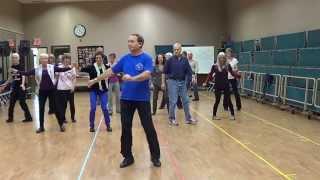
[[263, 143]]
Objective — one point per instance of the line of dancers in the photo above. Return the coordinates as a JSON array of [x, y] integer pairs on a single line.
[[174, 77]]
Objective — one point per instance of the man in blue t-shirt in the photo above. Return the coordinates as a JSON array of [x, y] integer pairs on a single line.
[[136, 67]]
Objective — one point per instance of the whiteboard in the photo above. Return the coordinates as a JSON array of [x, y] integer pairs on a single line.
[[204, 55]]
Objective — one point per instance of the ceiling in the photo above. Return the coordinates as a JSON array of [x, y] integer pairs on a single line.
[[57, 1]]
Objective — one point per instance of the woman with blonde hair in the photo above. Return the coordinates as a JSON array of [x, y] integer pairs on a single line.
[[220, 72]]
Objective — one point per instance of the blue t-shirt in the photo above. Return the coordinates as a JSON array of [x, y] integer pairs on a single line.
[[135, 65]]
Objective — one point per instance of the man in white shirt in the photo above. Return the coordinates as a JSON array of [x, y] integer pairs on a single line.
[[65, 85], [232, 80], [195, 70]]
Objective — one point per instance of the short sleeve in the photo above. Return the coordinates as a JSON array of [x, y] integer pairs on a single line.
[[148, 64], [118, 67]]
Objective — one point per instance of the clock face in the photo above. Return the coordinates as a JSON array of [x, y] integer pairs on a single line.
[[80, 30]]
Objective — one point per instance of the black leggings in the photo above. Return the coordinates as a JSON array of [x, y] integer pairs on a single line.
[[62, 97], [71, 103], [18, 94], [218, 94], [234, 85], [43, 96]]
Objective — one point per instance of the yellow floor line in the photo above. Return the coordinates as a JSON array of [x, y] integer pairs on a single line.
[[244, 146], [306, 139]]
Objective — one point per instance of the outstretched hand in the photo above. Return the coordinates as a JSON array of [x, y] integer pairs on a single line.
[[91, 82]]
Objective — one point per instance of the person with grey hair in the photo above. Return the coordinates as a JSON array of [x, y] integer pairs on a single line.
[[18, 90], [168, 55], [45, 79], [195, 69], [178, 72]]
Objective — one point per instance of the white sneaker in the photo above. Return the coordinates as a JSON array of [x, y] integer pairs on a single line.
[[191, 121], [173, 122], [215, 118]]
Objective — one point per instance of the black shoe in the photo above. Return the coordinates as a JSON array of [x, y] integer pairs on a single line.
[[65, 121], [239, 108], [40, 130], [153, 113], [126, 162], [27, 120], [62, 128], [195, 99], [74, 121], [162, 107], [156, 162], [110, 113], [92, 130], [109, 128], [9, 120], [180, 107]]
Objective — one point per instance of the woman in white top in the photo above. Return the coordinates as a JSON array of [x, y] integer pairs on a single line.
[[65, 85], [232, 80]]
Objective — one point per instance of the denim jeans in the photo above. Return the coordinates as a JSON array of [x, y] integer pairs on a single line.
[[93, 103], [178, 88]]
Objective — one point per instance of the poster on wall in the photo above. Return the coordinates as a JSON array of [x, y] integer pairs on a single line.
[[205, 55]]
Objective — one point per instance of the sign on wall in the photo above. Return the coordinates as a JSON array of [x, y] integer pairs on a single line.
[[204, 55]]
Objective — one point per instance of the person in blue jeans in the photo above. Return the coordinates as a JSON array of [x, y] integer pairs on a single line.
[[137, 68], [99, 89], [179, 74]]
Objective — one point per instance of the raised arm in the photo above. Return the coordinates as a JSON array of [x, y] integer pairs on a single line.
[[28, 73], [103, 76], [209, 77], [58, 69]]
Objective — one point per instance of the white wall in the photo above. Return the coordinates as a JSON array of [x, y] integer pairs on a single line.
[[10, 16], [249, 19], [11, 26], [110, 23]]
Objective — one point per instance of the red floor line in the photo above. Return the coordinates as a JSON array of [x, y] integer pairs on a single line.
[[172, 159]]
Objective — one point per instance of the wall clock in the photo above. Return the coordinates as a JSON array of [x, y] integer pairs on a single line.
[[79, 30]]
